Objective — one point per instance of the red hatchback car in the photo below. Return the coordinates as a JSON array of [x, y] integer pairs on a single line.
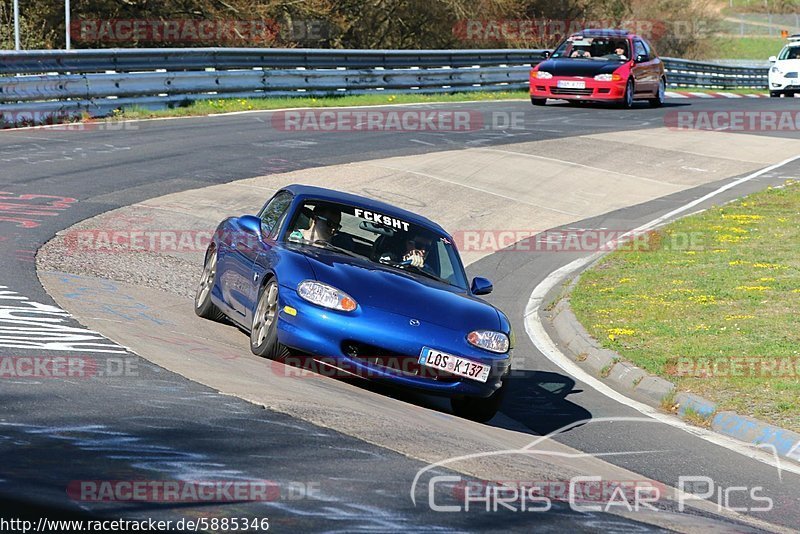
[[600, 65]]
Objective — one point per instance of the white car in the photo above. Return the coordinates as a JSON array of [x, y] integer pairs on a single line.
[[784, 74]]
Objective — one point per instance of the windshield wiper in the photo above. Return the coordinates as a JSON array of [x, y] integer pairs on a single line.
[[328, 246], [417, 270]]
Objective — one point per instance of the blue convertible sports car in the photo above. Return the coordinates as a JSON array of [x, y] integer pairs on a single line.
[[377, 290]]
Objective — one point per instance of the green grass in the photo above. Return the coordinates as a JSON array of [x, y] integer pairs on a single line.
[[756, 48], [684, 312], [225, 105]]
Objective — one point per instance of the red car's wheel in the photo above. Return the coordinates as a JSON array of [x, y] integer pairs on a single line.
[[627, 98], [660, 95]]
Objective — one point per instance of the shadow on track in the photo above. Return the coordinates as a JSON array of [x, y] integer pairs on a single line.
[[538, 400]]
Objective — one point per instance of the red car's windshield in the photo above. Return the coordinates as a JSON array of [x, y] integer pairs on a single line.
[[597, 48]]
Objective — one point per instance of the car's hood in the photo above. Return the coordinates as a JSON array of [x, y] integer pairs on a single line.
[[788, 65], [579, 67], [378, 286]]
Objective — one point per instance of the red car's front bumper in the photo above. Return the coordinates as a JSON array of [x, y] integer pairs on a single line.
[[592, 89]]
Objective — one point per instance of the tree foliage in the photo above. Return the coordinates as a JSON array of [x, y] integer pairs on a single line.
[[371, 24]]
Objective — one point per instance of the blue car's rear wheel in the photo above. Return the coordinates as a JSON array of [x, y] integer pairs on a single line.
[[264, 331], [477, 408], [203, 306]]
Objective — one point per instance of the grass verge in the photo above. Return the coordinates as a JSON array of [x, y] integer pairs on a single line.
[[227, 105], [711, 304], [756, 48]]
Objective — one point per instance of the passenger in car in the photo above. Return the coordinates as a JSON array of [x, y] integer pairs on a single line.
[[325, 222]]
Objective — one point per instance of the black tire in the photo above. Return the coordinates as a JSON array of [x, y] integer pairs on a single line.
[[264, 328], [775, 94], [627, 99], [661, 94], [203, 306], [480, 409], [538, 101]]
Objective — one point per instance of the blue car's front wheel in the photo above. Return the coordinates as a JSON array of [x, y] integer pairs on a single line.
[[264, 330]]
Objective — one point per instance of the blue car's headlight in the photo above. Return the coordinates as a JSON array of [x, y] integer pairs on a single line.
[[325, 296], [489, 340]]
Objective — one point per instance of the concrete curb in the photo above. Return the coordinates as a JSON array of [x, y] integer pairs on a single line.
[[607, 365], [699, 94]]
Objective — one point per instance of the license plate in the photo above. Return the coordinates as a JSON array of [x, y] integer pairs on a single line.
[[454, 364], [571, 84]]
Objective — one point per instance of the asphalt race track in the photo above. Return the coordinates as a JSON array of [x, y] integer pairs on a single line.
[[154, 424]]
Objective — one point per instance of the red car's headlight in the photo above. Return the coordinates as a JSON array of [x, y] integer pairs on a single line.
[[542, 75], [608, 77]]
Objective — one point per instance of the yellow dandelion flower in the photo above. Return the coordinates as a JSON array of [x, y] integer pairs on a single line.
[[742, 218], [614, 332], [736, 317], [703, 299], [769, 266], [730, 238]]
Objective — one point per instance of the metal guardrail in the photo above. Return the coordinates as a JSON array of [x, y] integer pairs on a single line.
[[685, 73], [175, 59], [42, 82]]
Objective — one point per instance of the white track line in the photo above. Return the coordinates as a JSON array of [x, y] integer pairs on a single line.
[[474, 188], [538, 335], [576, 164]]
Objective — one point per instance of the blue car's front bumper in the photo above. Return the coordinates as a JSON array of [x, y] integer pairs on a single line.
[[328, 334]]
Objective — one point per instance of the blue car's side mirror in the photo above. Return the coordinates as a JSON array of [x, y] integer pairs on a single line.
[[481, 286], [250, 224]]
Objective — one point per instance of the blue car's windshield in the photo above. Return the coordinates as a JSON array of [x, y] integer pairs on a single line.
[[379, 237]]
